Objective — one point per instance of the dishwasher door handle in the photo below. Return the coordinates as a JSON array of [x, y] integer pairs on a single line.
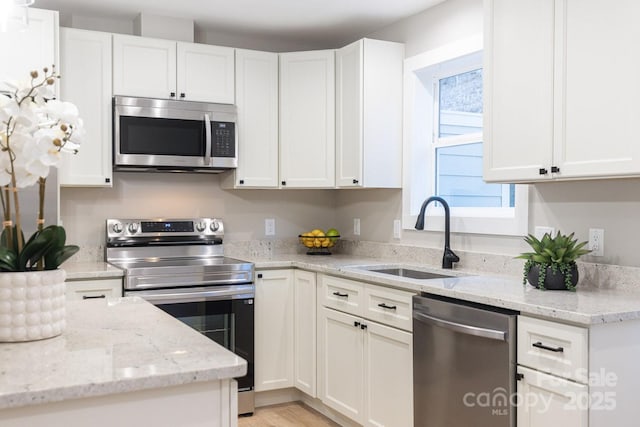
[[462, 328]]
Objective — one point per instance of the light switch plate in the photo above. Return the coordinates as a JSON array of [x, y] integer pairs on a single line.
[[596, 241], [356, 226], [269, 227]]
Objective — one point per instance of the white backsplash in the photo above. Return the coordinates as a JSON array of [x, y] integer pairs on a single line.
[[592, 275]]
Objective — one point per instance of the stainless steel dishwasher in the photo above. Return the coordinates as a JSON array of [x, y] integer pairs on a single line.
[[464, 364]]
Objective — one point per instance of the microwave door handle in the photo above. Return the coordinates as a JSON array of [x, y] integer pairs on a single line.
[[207, 134]]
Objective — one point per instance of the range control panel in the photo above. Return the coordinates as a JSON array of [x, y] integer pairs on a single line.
[[162, 228]]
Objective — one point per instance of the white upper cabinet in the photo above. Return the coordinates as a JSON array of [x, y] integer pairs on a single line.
[[144, 67], [31, 49], [307, 119], [159, 68], [257, 103], [205, 73], [518, 89], [598, 80], [369, 114], [554, 74], [86, 69]]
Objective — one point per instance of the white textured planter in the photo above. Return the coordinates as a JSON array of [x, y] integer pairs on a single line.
[[32, 305]]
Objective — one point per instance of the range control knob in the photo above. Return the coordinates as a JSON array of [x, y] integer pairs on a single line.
[[214, 225], [117, 228], [201, 226], [133, 227]]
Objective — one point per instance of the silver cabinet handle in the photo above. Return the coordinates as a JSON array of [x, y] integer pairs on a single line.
[[459, 327], [207, 133]]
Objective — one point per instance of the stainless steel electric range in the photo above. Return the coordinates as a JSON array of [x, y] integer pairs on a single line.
[[179, 266]]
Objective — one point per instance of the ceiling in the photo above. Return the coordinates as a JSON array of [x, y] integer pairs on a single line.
[[326, 21]]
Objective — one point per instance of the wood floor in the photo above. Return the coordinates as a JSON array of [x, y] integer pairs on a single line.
[[293, 414]]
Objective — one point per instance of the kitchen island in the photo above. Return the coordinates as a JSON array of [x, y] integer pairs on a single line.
[[120, 362]]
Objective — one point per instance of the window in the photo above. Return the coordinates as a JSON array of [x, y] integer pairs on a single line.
[[443, 146], [458, 143]]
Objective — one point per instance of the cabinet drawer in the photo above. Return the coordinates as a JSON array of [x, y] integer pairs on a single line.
[[342, 294], [90, 289], [388, 306], [553, 347]]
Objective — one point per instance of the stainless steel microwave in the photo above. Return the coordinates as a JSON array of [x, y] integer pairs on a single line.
[[167, 135]]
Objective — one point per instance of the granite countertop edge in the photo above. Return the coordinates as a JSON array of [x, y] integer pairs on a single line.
[[585, 307], [105, 351]]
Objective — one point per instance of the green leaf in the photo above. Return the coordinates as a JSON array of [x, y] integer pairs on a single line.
[[60, 256], [540, 258], [36, 248], [8, 259]]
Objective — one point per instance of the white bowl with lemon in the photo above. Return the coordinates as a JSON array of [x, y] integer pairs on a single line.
[[318, 241]]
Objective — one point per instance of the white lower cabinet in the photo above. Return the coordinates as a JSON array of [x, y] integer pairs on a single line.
[[388, 376], [552, 374], [93, 289], [342, 363], [547, 400], [274, 341], [365, 367], [304, 331]]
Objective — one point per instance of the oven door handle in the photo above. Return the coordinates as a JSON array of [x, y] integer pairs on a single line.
[[218, 293]]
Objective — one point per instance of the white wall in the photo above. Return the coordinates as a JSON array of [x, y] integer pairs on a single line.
[[570, 206], [439, 25]]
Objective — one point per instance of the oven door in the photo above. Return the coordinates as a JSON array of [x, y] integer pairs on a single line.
[[222, 313]]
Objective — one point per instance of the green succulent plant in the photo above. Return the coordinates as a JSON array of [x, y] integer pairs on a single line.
[[559, 253]]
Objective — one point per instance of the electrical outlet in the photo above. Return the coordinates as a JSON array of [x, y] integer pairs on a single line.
[[541, 231], [356, 226], [269, 227], [397, 229], [596, 241]]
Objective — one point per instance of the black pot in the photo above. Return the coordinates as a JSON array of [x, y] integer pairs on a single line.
[[552, 281]]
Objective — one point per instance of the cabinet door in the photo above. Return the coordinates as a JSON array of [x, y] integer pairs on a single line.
[[388, 376], [518, 89], [206, 73], [93, 289], [307, 119], [86, 67], [257, 102], [274, 330], [599, 88], [382, 117], [349, 115], [144, 67], [547, 400], [31, 49], [342, 358], [304, 328]]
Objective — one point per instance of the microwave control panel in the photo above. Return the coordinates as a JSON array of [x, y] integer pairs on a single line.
[[223, 139]]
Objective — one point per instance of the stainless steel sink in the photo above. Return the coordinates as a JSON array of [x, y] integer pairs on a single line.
[[412, 274]]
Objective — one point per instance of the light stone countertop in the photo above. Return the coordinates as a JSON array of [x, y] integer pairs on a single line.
[[91, 270], [586, 306], [111, 346]]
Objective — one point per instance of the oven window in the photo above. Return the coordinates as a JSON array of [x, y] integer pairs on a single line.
[[214, 319], [168, 137]]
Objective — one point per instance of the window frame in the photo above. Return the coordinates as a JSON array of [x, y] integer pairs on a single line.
[[421, 72]]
